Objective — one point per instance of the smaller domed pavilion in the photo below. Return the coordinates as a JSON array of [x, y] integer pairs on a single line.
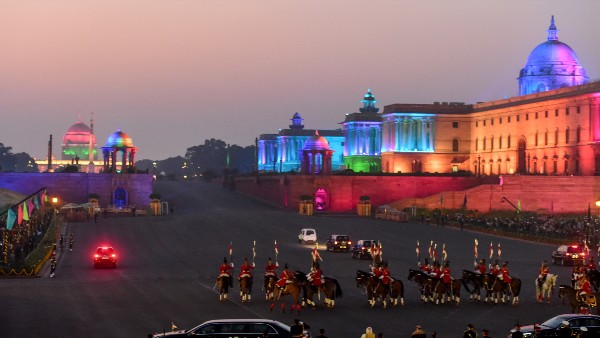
[[316, 155], [118, 142]]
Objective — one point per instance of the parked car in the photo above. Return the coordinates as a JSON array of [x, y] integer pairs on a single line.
[[362, 248], [249, 328], [338, 242], [569, 255], [307, 235], [105, 256], [550, 327]]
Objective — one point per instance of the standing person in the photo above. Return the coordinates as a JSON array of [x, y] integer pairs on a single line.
[[418, 333], [321, 333], [297, 330], [517, 332], [71, 239], [225, 270], [52, 266], [368, 333], [485, 333], [470, 332], [61, 242]]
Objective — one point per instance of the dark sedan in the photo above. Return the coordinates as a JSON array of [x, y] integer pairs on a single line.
[[569, 255], [234, 328], [551, 327]]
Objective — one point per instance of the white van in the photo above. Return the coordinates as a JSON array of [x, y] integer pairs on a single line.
[[307, 236]]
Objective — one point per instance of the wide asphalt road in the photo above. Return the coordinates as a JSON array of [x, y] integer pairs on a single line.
[[168, 266]]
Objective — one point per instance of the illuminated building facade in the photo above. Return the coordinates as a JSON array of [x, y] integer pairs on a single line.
[[118, 142], [76, 143], [283, 152], [362, 132]]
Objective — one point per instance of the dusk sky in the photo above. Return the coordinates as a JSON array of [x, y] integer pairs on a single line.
[[174, 73]]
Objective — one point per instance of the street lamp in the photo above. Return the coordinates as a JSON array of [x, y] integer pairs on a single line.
[[54, 202]]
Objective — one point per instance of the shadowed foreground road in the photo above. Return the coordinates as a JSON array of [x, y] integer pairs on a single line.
[[168, 266]]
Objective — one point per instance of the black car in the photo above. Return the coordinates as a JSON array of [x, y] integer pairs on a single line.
[[105, 256], [550, 328], [569, 255], [362, 248], [234, 327], [338, 242]]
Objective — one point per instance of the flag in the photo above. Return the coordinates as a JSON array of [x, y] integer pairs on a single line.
[[418, 251], [10, 219], [465, 202], [173, 326], [491, 250], [499, 252], [435, 252], [25, 212], [36, 201], [518, 205], [431, 250], [276, 248], [253, 250], [475, 249], [444, 253], [441, 199], [19, 214], [230, 248], [30, 205]]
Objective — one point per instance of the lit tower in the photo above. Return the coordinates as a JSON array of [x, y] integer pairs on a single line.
[[91, 146]]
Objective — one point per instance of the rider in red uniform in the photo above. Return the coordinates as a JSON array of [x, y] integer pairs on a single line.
[[246, 271], [505, 275], [585, 288], [285, 277], [385, 277], [226, 270], [495, 269], [315, 277], [425, 267], [480, 268], [271, 269], [376, 270], [376, 252], [436, 271], [544, 271], [445, 275]]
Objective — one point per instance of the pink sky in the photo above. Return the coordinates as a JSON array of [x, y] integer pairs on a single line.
[[174, 73]]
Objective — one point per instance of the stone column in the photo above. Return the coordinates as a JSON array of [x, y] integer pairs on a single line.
[[595, 120], [124, 162]]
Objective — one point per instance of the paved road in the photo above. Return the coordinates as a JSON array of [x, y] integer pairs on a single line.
[[168, 267]]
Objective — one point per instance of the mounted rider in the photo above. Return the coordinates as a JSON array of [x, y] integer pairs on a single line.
[[480, 267], [271, 270], [504, 273], [544, 271], [376, 252], [246, 271], [425, 267], [385, 277], [226, 270], [445, 276], [436, 271], [495, 269], [315, 276], [578, 272], [285, 278], [376, 269], [316, 257], [585, 288]]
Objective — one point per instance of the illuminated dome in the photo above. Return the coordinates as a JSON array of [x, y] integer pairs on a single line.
[[551, 65], [76, 142], [119, 139], [316, 142]]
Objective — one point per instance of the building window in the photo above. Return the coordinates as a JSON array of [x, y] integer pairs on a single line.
[[518, 118], [492, 143], [567, 135], [508, 119], [527, 117], [476, 124], [508, 142], [484, 143], [492, 121], [500, 120], [556, 137], [500, 142], [476, 144], [578, 135], [454, 124], [455, 145], [567, 111], [546, 113], [484, 123], [578, 109], [536, 138], [546, 138], [536, 115], [556, 112]]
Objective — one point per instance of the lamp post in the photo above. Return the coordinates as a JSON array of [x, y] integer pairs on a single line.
[[54, 202]]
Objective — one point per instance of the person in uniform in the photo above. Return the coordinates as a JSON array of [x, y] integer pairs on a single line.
[[436, 272], [376, 270], [470, 332], [285, 277], [585, 288], [577, 273], [385, 277], [246, 271], [71, 239], [544, 271], [316, 257], [52, 266], [225, 270], [480, 268], [504, 273], [270, 270], [445, 276], [425, 267], [376, 252], [495, 268], [315, 276]]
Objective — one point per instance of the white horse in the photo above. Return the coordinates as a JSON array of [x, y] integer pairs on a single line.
[[546, 289]]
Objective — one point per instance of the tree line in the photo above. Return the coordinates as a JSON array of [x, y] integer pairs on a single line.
[[19, 162]]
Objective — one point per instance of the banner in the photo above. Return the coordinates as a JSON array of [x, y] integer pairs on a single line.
[[10, 219]]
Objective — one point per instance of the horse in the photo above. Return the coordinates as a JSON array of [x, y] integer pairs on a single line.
[[594, 278], [292, 289], [246, 288], [223, 284], [397, 291], [577, 305], [497, 288], [423, 282], [331, 289], [474, 279], [269, 286], [547, 287], [441, 289], [375, 289]]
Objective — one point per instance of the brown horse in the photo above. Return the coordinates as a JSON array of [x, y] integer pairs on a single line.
[[292, 289], [330, 288], [452, 290], [397, 292], [576, 304], [223, 284], [376, 290], [423, 282], [499, 289], [246, 288], [269, 286], [474, 279]]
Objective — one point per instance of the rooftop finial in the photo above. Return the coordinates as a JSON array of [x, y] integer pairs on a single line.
[[552, 31]]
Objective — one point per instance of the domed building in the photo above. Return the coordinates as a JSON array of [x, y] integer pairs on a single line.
[[316, 155], [115, 143], [76, 143], [551, 65]]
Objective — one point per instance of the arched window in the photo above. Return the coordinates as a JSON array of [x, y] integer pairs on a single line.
[[508, 142], [455, 145]]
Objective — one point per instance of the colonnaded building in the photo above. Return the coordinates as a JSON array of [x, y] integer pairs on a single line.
[[551, 128]]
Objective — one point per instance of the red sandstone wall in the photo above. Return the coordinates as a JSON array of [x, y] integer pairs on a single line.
[[74, 188]]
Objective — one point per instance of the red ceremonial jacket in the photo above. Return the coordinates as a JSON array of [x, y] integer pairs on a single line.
[[225, 269], [246, 269], [385, 276], [446, 275], [271, 270], [505, 274], [481, 268]]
